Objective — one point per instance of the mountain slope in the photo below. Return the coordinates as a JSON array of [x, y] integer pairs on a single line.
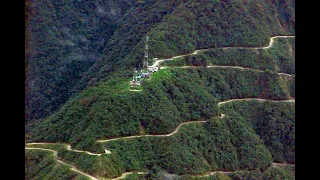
[[63, 39], [80, 59], [110, 110], [72, 46]]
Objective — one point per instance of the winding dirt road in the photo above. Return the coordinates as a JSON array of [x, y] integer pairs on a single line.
[[135, 90], [73, 168], [178, 127], [149, 135], [128, 173], [68, 146], [254, 99], [218, 66], [228, 172], [207, 174], [156, 63], [267, 47], [157, 135], [161, 135], [281, 164], [271, 42]]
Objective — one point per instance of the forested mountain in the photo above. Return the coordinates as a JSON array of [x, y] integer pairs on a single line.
[[64, 39], [273, 122], [41, 165], [75, 44], [187, 119], [279, 58], [110, 110]]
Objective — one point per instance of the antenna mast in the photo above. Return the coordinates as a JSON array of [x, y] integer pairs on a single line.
[[145, 61]]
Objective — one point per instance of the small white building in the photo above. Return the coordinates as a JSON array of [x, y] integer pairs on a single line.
[[135, 83], [153, 69], [145, 75]]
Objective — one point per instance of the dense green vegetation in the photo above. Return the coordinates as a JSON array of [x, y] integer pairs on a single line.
[[217, 176], [279, 58], [64, 39], [278, 173], [42, 166], [74, 45], [290, 84], [273, 122], [110, 110], [219, 144], [106, 165], [80, 56], [206, 24], [227, 144], [271, 173], [135, 176]]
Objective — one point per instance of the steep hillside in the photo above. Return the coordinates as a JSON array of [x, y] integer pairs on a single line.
[[226, 143], [270, 173], [280, 57], [41, 165], [273, 122], [224, 113], [180, 26], [63, 39], [207, 24], [75, 45], [219, 144], [169, 98]]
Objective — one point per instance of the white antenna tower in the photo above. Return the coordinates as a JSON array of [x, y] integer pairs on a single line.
[[145, 62]]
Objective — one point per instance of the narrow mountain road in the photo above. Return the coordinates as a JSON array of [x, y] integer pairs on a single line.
[[254, 99], [68, 146], [156, 63], [163, 135], [149, 135], [73, 168], [135, 90], [55, 153], [202, 50], [128, 173], [228, 172], [231, 67], [281, 164], [267, 47], [207, 174], [155, 135]]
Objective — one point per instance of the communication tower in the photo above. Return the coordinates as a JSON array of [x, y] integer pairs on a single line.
[[145, 61]]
